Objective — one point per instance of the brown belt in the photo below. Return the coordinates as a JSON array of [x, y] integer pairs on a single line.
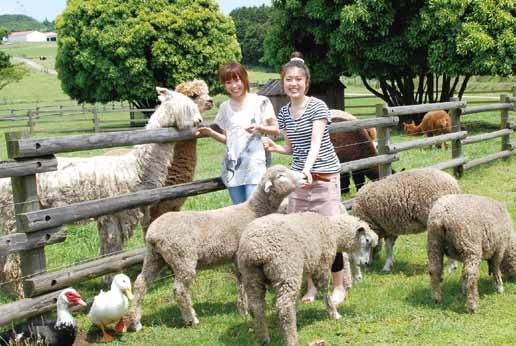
[[322, 176]]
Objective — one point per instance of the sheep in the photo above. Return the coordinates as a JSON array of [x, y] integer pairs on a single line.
[[277, 250], [186, 239], [399, 204], [81, 179], [354, 145], [469, 229], [433, 123]]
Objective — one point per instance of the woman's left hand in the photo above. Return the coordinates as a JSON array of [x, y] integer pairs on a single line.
[[308, 175], [253, 128]]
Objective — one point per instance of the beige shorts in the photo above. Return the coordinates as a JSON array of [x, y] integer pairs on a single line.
[[322, 197]]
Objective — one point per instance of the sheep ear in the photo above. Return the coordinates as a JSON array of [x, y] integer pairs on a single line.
[[267, 187], [361, 231]]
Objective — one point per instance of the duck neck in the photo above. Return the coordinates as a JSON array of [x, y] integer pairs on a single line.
[[64, 317]]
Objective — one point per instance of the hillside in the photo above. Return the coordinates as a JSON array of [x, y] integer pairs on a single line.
[[20, 22]]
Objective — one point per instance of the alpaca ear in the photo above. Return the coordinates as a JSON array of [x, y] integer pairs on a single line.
[[267, 187], [161, 91]]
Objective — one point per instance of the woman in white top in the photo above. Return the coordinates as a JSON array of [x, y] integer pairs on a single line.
[[243, 119]]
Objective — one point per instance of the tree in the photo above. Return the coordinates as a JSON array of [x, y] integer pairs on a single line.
[[418, 51], [110, 50], [3, 33], [252, 24], [10, 73]]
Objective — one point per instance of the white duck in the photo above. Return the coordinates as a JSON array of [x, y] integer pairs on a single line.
[[111, 306]]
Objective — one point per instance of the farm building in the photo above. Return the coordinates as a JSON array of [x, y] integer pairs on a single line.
[[31, 36], [331, 92]]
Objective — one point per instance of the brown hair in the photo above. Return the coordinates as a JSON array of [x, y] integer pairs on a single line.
[[233, 70], [296, 60]]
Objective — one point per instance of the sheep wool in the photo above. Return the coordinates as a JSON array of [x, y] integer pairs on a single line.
[[470, 229], [399, 204], [185, 240], [278, 249]]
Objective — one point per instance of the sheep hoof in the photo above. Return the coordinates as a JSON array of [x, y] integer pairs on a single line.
[[192, 323], [337, 316], [265, 341], [499, 290], [473, 309], [386, 268]]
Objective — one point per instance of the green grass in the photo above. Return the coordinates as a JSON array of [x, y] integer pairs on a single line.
[[386, 309]]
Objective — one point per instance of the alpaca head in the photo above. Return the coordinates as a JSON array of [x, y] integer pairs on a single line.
[[197, 90], [176, 110], [410, 128]]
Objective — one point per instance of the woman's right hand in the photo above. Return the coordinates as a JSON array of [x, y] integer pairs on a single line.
[[268, 144], [204, 131]]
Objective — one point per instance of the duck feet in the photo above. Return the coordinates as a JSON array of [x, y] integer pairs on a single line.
[[105, 336], [121, 327]]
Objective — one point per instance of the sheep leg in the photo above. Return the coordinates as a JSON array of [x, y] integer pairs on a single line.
[[253, 280], [242, 304], [356, 271], [389, 246], [152, 265], [348, 280], [184, 271], [435, 253], [471, 273], [287, 292], [321, 281], [110, 234], [494, 268]]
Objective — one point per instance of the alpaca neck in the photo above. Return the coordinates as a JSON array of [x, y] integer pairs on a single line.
[[152, 161]]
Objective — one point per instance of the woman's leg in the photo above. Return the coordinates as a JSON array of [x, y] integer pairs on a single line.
[[237, 194], [339, 290]]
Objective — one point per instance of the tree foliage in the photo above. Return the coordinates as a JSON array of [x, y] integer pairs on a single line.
[[20, 22], [418, 51], [109, 50], [3, 33], [252, 24], [10, 73]]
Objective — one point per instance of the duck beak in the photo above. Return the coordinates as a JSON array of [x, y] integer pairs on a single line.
[[81, 302], [129, 294]]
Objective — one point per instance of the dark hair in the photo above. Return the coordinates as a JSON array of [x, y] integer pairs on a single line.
[[234, 70], [296, 60]]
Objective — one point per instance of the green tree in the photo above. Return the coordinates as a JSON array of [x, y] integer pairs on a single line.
[[10, 73], [252, 24], [418, 51], [3, 33], [110, 50]]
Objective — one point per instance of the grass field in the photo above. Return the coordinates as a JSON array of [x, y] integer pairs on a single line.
[[387, 309]]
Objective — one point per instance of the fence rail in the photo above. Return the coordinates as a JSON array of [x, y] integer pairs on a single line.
[[39, 228]]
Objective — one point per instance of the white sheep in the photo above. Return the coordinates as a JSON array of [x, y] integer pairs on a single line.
[[278, 250], [399, 204], [469, 229], [77, 180], [186, 239]]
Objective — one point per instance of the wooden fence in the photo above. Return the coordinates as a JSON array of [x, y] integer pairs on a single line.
[[37, 229]]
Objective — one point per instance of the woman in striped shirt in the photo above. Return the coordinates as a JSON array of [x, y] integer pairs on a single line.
[[304, 123]]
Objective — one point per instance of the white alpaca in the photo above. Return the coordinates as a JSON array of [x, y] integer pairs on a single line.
[[78, 180]]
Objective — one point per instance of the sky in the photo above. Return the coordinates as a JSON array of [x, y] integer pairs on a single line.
[[41, 9]]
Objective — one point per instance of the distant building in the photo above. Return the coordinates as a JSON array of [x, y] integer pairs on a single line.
[[31, 36]]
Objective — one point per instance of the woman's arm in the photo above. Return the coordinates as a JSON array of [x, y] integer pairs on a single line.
[[270, 129], [208, 131], [315, 146], [270, 146]]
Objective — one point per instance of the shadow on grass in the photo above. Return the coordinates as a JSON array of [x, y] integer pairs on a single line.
[[453, 298], [409, 268]]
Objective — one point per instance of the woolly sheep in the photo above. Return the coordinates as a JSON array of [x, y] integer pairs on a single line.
[[186, 239], [470, 229], [80, 179], [400, 203], [278, 249]]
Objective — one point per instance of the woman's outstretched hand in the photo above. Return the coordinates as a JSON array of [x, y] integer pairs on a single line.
[[268, 144], [204, 131]]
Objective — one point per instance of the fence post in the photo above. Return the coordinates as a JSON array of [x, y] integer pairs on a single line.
[[25, 198], [456, 143], [384, 133], [504, 123], [96, 124], [30, 122]]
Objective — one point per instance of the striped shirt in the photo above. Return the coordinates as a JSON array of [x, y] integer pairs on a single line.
[[299, 133]]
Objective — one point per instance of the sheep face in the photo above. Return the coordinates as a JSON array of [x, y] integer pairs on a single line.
[[197, 90], [279, 181], [365, 240]]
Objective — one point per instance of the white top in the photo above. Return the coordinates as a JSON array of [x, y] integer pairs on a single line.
[[244, 160]]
